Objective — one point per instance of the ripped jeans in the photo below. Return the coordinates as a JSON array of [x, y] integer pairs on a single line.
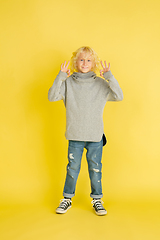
[[93, 155]]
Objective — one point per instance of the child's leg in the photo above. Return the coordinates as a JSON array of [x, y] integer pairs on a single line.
[[75, 151], [94, 156]]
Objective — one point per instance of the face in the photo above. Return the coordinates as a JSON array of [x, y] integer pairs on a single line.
[[85, 62]]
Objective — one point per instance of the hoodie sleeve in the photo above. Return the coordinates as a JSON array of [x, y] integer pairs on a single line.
[[115, 92], [57, 91]]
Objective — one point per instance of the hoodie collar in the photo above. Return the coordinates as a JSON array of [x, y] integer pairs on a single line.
[[84, 77]]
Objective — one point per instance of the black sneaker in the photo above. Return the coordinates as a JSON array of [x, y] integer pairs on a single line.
[[98, 207], [64, 205]]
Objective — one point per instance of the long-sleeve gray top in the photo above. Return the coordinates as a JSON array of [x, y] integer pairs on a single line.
[[84, 96]]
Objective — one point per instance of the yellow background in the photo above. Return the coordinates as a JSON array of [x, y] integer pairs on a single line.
[[36, 37]]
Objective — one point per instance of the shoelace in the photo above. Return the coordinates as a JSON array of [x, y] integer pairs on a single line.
[[64, 203], [98, 204]]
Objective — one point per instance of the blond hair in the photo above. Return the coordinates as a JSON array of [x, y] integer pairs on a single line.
[[85, 49]]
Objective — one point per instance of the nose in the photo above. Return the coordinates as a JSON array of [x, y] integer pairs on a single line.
[[85, 62]]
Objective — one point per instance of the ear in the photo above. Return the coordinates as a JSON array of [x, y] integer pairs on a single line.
[[93, 65], [75, 65]]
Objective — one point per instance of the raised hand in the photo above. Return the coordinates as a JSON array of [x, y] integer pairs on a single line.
[[64, 67], [105, 68]]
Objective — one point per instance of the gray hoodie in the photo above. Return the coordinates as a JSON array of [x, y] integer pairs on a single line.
[[84, 96]]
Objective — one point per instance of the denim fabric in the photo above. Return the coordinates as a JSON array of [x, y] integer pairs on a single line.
[[93, 155]]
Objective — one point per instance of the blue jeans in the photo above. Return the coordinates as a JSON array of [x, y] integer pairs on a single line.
[[94, 156]]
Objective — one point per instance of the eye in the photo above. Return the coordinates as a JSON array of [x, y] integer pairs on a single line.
[[89, 60], [81, 60]]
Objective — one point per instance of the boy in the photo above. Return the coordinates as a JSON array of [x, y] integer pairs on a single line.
[[84, 95]]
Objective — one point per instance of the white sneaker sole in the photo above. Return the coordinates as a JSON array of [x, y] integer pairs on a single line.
[[102, 213], [61, 211]]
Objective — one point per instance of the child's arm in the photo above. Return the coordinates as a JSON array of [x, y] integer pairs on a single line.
[[57, 91], [116, 93]]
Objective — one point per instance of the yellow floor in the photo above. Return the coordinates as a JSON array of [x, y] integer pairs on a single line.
[[127, 221]]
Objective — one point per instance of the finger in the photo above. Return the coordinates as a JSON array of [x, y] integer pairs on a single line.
[[102, 64], [68, 64], [61, 65], [109, 65], [65, 64]]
